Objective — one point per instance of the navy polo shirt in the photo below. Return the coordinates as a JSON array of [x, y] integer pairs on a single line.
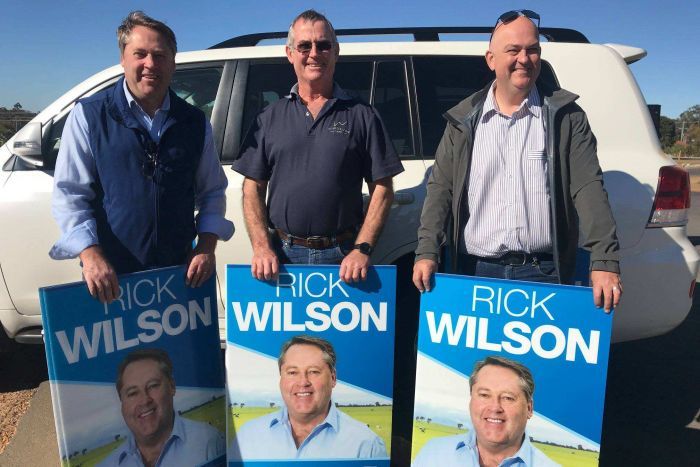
[[315, 168]]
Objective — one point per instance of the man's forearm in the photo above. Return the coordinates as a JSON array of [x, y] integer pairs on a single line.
[[255, 212], [381, 197]]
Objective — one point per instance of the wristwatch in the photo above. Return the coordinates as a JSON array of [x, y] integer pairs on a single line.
[[364, 247]]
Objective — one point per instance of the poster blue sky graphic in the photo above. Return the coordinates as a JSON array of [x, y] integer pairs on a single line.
[[357, 320], [86, 341], [553, 330]]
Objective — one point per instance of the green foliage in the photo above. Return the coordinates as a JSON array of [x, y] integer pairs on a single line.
[[667, 132], [691, 115]]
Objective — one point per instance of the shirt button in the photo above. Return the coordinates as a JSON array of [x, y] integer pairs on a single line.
[[307, 114]]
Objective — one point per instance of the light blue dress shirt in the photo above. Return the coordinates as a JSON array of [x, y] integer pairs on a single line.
[[190, 444], [76, 171], [339, 436], [461, 451]]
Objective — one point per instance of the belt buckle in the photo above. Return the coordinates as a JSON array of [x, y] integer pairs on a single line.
[[316, 242]]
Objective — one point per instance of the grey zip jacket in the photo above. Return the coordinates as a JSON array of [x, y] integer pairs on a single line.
[[578, 199]]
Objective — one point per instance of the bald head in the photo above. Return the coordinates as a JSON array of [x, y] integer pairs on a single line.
[[514, 55]]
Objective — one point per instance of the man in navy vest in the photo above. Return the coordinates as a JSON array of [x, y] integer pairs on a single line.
[[135, 163]]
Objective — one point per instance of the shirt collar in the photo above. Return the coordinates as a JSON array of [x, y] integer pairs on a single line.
[[338, 92], [532, 103], [165, 106], [332, 419], [524, 454], [129, 448]]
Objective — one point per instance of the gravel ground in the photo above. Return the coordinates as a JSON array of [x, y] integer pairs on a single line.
[[22, 369]]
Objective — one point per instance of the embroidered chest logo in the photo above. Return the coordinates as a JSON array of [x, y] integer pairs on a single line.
[[340, 128]]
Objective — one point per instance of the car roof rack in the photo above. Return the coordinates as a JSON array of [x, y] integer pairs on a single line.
[[420, 34]]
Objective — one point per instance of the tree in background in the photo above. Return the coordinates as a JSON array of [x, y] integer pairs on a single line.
[[692, 115], [667, 132]]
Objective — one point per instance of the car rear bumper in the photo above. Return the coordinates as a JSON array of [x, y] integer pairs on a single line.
[[658, 274]]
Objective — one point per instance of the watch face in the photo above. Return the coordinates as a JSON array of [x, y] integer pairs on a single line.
[[365, 248]]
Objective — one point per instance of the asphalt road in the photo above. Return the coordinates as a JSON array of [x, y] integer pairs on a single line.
[[652, 399]]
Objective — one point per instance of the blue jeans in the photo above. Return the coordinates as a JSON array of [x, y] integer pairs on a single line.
[[543, 271], [289, 253]]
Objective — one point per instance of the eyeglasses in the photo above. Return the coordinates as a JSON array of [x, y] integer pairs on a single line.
[[304, 47], [509, 16], [148, 167]]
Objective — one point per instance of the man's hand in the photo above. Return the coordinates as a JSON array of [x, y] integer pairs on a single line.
[[607, 289], [423, 272], [99, 275], [354, 267], [201, 263], [265, 264]]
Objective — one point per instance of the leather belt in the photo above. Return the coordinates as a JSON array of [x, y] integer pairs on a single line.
[[317, 242], [517, 258]]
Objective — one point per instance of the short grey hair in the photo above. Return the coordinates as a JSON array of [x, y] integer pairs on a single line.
[[139, 18], [313, 16], [527, 382], [322, 344], [161, 357]]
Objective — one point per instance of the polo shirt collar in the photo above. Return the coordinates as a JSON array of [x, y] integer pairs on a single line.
[[133, 105], [532, 103], [338, 92]]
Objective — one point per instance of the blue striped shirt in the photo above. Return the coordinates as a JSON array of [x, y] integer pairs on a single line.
[[508, 193]]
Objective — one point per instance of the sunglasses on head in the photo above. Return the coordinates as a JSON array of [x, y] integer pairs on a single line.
[[304, 47], [509, 16]]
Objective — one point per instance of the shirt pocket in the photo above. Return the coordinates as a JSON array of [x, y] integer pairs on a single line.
[[536, 155]]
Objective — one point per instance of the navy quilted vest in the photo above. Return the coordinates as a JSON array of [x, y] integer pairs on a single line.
[[143, 222]]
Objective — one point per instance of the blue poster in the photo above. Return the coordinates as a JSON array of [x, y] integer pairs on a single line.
[[309, 367], [538, 357], [139, 377]]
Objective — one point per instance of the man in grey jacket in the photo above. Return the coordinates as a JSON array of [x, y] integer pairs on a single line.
[[517, 174]]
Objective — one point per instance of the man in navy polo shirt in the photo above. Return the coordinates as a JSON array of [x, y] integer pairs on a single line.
[[314, 148]]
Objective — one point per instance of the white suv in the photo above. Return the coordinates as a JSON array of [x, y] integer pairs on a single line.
[[411, 83]]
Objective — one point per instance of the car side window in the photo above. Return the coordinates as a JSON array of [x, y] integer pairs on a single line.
[[198, 86], [437, 92], [391, 101]]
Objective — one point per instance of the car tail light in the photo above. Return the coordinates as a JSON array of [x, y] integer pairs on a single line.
[[672, 200]]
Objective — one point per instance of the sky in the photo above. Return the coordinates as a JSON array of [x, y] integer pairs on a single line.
[[49, 46]]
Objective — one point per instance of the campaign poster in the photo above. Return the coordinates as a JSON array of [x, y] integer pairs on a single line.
[[139, 378], [553, 331], [309, 367]]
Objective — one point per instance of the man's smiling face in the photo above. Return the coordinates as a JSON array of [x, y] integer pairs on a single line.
[[147, 401], [315, 67], [514, 55], [148, 64], [499, 409], [306, 383]]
